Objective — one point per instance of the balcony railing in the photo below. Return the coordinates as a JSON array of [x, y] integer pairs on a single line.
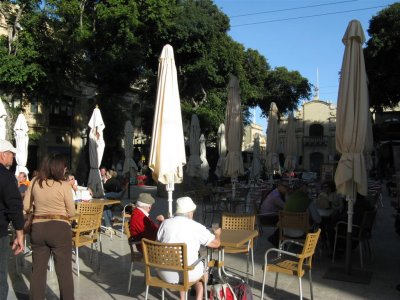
[[315, 141]]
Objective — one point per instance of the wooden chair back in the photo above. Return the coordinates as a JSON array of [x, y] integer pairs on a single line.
[[89, 221], [169, 257], [293, 220], [309, 249], [238, 221]]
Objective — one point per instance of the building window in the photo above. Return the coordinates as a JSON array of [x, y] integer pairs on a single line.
[[316, 130], [61, 111], [34, 106]]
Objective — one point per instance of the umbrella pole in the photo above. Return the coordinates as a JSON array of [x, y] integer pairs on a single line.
[[350, 204], [170, 189]]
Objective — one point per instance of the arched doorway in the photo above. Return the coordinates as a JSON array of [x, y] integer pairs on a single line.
[[316, 161]]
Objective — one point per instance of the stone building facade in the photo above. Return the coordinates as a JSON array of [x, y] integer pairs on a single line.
[[315, 135]]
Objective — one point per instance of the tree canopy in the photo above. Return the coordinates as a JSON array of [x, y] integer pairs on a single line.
[[58, 46], [382, 58]]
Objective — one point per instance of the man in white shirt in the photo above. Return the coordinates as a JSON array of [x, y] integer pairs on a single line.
[[183, 229]]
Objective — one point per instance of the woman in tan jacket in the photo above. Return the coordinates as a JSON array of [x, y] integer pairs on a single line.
[[51, 231]]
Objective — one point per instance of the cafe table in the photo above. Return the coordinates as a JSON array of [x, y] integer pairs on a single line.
[[232, 238]]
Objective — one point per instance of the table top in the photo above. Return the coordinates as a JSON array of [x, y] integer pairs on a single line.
[[325, 212], [236, 238], [102, 201]]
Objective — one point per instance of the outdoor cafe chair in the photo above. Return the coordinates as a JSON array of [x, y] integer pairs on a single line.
[[169, 257], [87, 230], [291, 263], [293, 222], [360, 234], [240, 222], [136, 256]]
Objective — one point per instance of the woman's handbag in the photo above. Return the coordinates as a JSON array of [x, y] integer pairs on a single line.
[[29, 216]]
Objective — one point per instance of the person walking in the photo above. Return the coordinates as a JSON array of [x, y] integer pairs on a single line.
[[10, 209], [51, 231]]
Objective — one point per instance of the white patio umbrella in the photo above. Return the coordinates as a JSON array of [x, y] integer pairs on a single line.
[[193, 167], [3, 124], [234, 133], [129, 164], [290, 144], [167, 154], [272, 140], [351, 124], [96, 151], [205, 168], [219, 170], [256, 163], [21, 143]]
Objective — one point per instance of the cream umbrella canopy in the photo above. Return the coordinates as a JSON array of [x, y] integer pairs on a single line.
[[193, 167], [21, 143], [3, 124], [234, 133], [219, 170], [129, 164], [290, 144], [205, 168], [351, 124], [256, 163], [272, 140], [167, 155], [96, 151]]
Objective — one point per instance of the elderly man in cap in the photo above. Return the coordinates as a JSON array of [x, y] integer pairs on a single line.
[[141, 225], [183, 229], [10, 209]]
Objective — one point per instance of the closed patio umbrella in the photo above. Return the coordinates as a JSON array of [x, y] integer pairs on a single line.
[[219, 170], [369, 144], [290, 145], [272, 140], [193, 167], [234, 133], [96, 151], [205, 168], [256, 163], [3, 124], [167, 155], [129, 164], [351, 124], [21, 143]]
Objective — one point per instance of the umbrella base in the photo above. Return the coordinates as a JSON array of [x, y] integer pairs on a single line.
[[356, 276]]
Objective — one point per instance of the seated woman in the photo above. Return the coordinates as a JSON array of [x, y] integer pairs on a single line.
[[329, 199], [113, 189], [23, 183], [141, 225]]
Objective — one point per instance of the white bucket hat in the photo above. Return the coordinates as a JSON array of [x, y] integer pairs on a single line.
[[184, 205]]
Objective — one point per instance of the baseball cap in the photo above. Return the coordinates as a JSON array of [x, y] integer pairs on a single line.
[[184, 205], [7, 146]]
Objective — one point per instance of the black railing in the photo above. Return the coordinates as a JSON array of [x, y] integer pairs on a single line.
[[315, 141]]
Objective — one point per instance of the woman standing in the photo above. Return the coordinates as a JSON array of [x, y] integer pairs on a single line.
[[51, 230]]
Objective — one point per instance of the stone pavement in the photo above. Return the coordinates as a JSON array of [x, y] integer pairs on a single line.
[[108, 279]]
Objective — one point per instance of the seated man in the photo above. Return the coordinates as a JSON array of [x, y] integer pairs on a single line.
[[299, 201], [273, 203], [183, 229], [141, 225]]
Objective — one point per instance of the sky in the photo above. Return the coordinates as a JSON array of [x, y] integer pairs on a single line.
[[301, 35]]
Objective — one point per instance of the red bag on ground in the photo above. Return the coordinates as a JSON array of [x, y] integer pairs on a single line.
[[222, 292]]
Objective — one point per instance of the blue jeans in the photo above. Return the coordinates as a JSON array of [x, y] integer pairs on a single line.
[[107, 213], [4, 253]]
